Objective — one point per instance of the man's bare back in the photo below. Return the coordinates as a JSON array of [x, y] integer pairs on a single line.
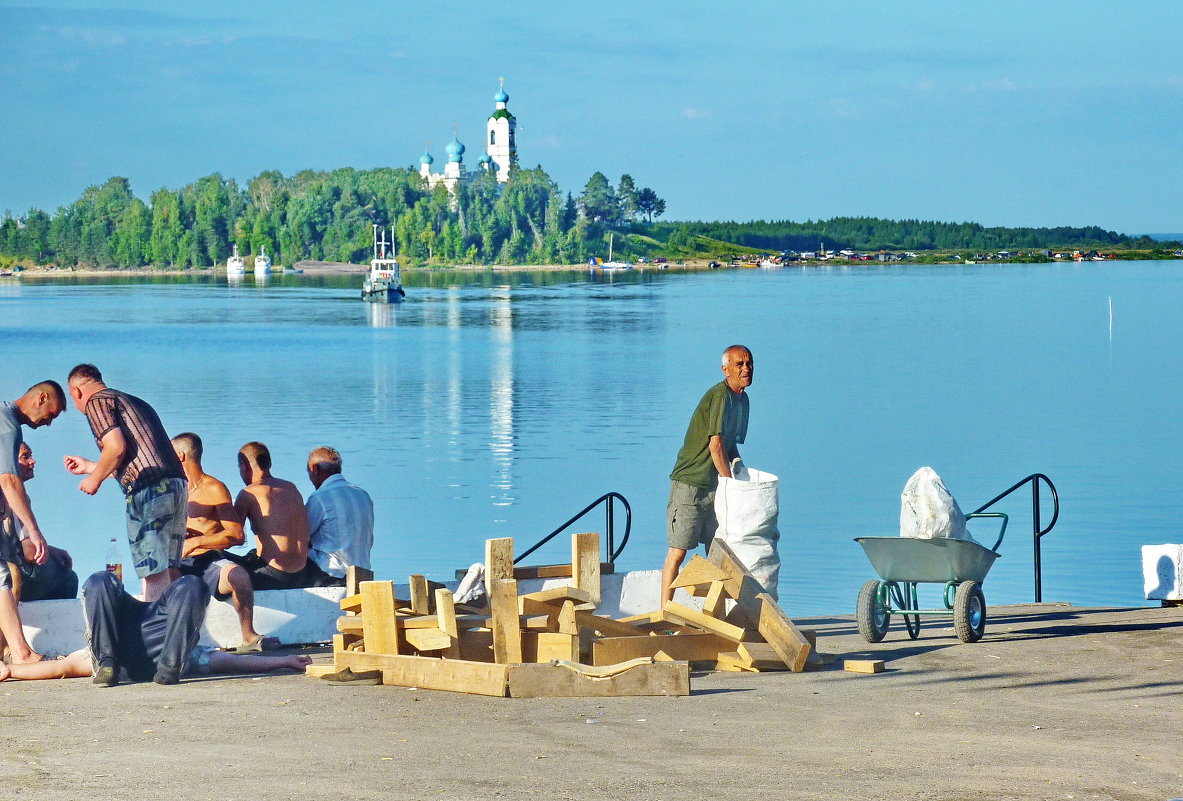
[[213, 522], [280, 524]]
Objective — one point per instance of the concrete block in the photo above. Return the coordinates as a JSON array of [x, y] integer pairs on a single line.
[[1162, 572]]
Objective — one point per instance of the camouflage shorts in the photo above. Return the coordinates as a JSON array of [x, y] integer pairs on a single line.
[[156, 517]]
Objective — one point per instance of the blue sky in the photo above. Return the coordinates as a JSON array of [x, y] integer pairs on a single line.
[[1032, 113]]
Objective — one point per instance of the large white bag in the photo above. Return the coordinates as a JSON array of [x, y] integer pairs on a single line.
[[746, 507], [928, 511]]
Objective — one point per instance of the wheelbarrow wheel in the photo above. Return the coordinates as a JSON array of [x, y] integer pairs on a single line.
[[873, 617], [969, 611]]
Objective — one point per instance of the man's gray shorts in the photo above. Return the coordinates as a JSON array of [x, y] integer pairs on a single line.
[[690, 516], [156, 518]]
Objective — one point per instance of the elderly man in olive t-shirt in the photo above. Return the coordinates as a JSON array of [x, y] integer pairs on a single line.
[[136, 450], [719, 424]]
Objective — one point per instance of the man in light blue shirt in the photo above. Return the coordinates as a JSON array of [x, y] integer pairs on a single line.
[[340, 516]]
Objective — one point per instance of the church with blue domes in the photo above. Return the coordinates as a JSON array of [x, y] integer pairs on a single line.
[[500, 156]]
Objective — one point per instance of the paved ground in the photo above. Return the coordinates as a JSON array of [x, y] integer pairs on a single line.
[[1055, 703]]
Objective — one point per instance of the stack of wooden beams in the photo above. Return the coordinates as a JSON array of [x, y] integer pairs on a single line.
[[551, 642], [739, 628]]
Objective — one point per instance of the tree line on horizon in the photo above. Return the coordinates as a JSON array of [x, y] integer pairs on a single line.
[[328, 216]]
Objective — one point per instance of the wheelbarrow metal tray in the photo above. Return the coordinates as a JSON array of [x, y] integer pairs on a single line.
[[935, 560]]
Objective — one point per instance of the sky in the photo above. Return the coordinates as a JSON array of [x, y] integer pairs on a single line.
[[1059, 112]]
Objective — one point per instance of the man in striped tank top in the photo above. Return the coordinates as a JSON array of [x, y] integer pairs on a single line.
[[135, 449]]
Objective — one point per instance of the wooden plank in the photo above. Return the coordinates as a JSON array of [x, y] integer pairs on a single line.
[[863, 665], [316, 671], [557, 595], [498, 561], [780, 632], [760, 655], [351, 604], [350, 623], [692, 617], [507, 628], [556, 681], [428, 639], [567, 621], [715, 604], [683, 647], [420, 605], [732, 662], [354, 576], [548, 571], [445, 615], [606, 626], [432, 673], [543, 646], [698, 571], [585, 564], [379, 620], [476, 646]]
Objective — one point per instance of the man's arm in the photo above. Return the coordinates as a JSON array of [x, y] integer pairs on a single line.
[[18, 501], [223, 529], [720, 457], [114, 446]]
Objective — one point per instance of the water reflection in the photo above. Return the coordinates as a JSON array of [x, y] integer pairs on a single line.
[[381, 315], [501, 388]]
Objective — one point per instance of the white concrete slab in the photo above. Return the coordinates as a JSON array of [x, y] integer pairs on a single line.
[[1162, 572]]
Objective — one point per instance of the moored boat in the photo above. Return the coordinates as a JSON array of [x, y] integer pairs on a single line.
[[263, 262], [235, 265]]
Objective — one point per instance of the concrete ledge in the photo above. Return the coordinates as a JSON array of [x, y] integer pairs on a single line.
[[310, 615]]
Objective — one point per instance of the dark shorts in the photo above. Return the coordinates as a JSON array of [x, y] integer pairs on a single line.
[[265, 577], [156, 516], [208, 567], [690, 516]]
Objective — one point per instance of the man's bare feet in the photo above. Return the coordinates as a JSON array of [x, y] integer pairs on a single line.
[[5, 671], [32, 657]]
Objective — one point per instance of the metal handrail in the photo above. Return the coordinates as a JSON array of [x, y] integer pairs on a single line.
[[1037, 530], [609, 526]]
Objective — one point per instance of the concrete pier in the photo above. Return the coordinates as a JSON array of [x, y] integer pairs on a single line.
[[1056, 702]]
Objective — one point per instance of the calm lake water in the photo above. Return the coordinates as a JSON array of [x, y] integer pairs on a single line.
[[492, 405]]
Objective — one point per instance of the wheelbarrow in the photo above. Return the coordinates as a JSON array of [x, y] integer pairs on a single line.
[[904, 562]]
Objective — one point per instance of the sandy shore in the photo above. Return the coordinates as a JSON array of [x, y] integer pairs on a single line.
[[1056, 702]]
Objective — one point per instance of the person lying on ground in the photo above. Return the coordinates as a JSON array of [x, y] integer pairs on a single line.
[[275, 510], [212, 525], [55, 578], [205, 661], [146, 641]]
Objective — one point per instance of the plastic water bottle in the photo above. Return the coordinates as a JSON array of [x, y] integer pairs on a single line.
[[114, 565]]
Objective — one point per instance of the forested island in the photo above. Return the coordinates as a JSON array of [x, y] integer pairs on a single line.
[[328, 216]]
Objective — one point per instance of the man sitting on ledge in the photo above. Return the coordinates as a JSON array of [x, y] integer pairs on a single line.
[[275, 510], [212, 525]]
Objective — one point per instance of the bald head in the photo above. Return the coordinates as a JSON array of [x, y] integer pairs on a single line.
[[739, 367], [256, 455], [188, 445], [41, 403]]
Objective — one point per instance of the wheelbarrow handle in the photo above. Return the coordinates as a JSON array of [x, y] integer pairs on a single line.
[[1001, 533]]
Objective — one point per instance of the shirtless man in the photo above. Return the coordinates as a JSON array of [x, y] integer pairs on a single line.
[[276, 511], [212, 525]]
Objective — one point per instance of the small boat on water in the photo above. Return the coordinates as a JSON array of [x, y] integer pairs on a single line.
[[384, 283], [263, 262], [235, 265]]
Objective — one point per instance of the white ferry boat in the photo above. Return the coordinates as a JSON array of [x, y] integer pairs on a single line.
[[384, 283], [235, 265], [263, 262]]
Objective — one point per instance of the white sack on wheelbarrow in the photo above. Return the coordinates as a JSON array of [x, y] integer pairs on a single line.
[[928, 511], [746, 507]]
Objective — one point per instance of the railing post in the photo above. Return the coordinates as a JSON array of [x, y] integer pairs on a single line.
[[608, 526], [1037, 537]]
